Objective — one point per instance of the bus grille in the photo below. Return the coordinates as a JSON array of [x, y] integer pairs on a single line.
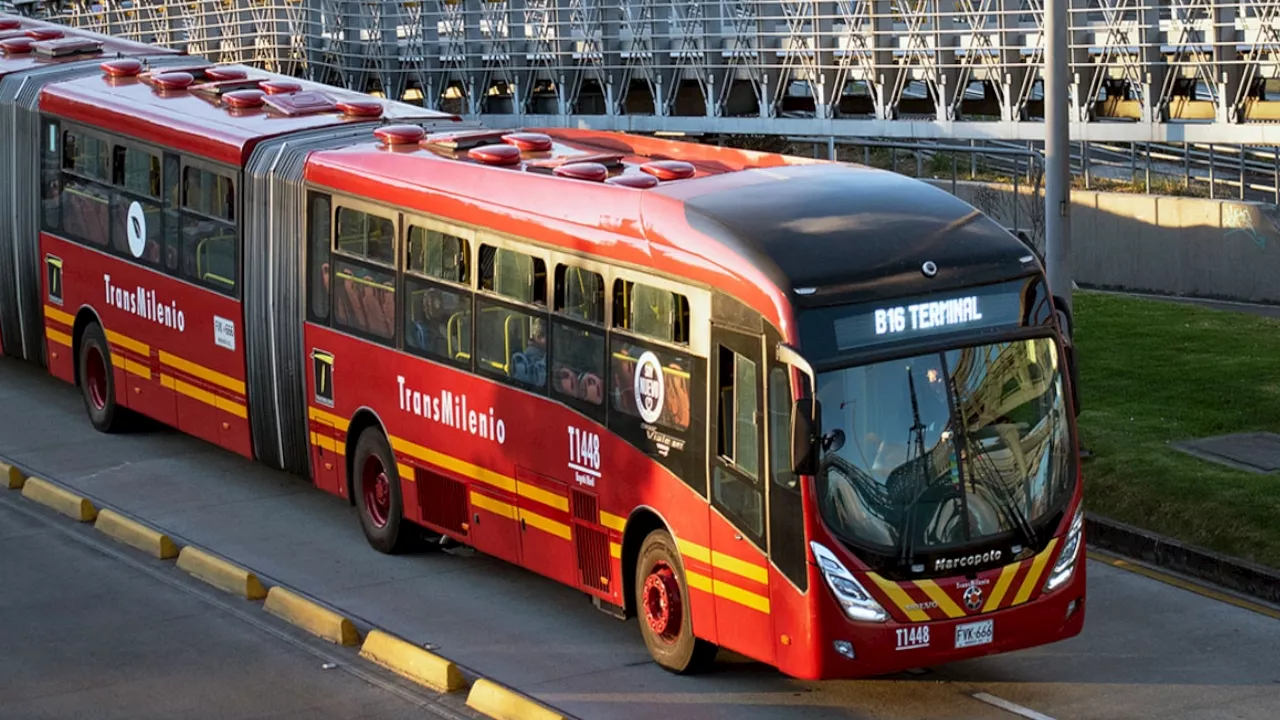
[[592, 544], [444, 501]]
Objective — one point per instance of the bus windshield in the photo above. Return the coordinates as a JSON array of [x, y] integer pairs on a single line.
[[946, 448]]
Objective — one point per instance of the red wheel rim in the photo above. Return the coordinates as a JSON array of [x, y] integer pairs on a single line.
[[96, 378], [377, 491], [661, 602]]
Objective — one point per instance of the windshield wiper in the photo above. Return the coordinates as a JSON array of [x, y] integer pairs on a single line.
[[1001, 493]]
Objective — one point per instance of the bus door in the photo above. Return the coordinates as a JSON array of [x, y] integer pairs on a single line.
[[740, 567]]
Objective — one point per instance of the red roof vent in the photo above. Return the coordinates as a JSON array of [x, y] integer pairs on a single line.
[[124, 67], [218, 74], [594, 172], [669, 169], [634, 181], [496, 154], [44, 33], [529, 142], [242, 99], [10, 23], [360, 108], [399, 134], [279, 87], [17, 46], [173, 80]]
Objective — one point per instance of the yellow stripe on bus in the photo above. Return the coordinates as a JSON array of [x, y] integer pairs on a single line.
[[128, 343], [545, 524], [1033, 575], [325, 443], [202, 372], [204, 396], [58, 337], [497, 507], [615, 550], [613, 522], [694, 550], [748, 570], [1002, 587], [732, 593], [137, 368], [546, 497], [899, 596], [406, 472], [453, 464], [54, 313], [940, 596], [328, 418]]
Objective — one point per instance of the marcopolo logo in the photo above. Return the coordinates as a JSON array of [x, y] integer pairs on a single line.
[[649, 387], [967, 560]]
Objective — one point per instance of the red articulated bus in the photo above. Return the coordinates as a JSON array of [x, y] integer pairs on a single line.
[[32, 53], [813, 413]]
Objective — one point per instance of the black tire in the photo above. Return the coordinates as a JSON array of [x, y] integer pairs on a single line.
[[381, 510], [676, 649], [97, 380]]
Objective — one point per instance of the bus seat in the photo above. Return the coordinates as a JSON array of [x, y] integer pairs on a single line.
[[678, 405], [567, 381], [592, 388]]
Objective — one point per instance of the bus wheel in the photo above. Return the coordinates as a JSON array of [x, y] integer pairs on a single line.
[[662, 604], [98, 382], [377, 491]]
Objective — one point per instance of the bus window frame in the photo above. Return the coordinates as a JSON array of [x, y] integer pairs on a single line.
[[494, 298], [561, 319], [465, 289], [233, 174], [343, 200]]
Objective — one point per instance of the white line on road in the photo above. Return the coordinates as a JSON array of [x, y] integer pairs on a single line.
[[1014, 708]]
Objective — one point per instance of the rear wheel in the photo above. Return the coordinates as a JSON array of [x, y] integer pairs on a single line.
[[662, 604], [97, 381], [377, 491]]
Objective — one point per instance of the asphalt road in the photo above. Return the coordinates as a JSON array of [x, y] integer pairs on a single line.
[[1148, 650], [89, 630]]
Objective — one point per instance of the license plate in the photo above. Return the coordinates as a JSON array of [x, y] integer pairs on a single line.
[[979, 633]]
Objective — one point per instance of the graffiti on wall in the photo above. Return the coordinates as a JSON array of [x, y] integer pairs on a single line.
[[1238, 220]]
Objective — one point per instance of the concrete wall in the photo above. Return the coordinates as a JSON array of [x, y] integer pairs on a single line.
[[1222, 249]]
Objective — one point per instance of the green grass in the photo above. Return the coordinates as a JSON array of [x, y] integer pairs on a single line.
[[1155, 372]]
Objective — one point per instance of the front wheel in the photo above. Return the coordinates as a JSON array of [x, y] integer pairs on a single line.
[[662, 604], [377, 491]]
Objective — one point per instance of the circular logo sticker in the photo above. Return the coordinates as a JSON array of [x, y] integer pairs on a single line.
[[648, 387], [137, 225]]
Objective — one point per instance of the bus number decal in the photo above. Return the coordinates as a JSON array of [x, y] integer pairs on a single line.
[[584, 456], [224, 332], [910, 638]]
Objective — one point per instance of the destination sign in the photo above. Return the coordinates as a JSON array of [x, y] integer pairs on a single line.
[[831, 331]]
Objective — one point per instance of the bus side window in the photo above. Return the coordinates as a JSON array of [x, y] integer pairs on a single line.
[[86, 202], [786, 513], [736, 400], [437, 313], [652, 312], [364, 295], [51, 177], [578, 339], [172, 214], [511, 342], [136, 177], [320, 270], [210, 239]]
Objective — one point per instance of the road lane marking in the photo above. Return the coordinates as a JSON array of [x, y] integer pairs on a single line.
[[1014, 708], [1195, 587]]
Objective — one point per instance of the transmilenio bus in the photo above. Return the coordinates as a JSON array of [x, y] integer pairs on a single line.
[[813, 413]]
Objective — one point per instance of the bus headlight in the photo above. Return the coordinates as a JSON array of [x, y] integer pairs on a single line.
[[1066, 565], [856, 601]]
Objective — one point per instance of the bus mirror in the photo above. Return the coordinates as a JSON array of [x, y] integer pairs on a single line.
[[805, 432]]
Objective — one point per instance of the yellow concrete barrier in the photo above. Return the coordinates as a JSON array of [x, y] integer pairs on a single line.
[[500, 703], [131, 532], [220, 573], [14, 477], [311, 617], [52, 496], [412, 662]]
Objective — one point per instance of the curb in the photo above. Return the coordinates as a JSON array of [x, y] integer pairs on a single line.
[[15, 478], [502, 703], [309, 616], [410, 661], [1231, 573], [221, 574], [380, 648], [62, 501], [135, 534]]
